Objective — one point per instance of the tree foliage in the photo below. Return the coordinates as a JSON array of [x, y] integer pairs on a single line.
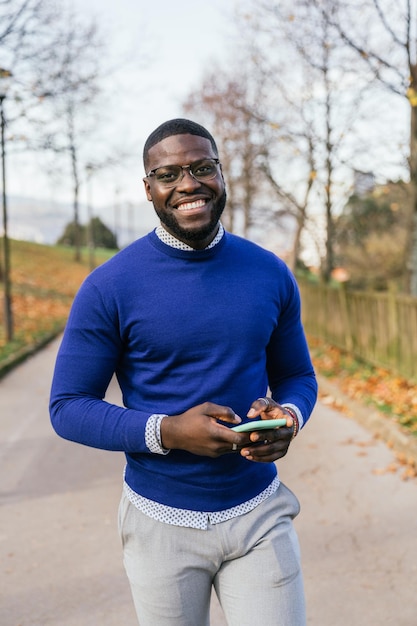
[[371, 237], [101, 236]]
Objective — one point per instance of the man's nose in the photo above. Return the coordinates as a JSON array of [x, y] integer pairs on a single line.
[[188, 181]]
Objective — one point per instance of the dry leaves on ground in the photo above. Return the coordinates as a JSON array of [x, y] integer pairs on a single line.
[[390, 394]]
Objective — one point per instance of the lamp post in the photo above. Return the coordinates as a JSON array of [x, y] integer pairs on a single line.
[[5, 76]]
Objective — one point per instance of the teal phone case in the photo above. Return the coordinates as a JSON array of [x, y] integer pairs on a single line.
[[259, 425]]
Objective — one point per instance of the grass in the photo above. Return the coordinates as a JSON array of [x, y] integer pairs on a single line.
[[44, 281]]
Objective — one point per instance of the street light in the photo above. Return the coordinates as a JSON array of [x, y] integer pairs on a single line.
[[5, 77]]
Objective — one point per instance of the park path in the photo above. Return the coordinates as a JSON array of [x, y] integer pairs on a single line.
[[60, 558]]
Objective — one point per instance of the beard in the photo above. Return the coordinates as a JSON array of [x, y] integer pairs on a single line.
[[194, 234]]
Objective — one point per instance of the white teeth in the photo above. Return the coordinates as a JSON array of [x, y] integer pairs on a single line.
[[187, 206]]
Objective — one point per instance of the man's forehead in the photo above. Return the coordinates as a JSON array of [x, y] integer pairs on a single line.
[[178, 145]]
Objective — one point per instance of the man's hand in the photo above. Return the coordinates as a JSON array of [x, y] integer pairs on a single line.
[[198, 431], [270, 444]]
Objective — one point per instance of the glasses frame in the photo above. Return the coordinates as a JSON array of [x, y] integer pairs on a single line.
[[152, 173]]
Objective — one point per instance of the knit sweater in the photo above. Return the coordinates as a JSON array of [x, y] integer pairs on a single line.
[[180, 328]]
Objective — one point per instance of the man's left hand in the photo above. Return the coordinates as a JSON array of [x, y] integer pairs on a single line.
[[269, 445]]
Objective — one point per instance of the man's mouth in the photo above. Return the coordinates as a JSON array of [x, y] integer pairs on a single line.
[[189, 206]]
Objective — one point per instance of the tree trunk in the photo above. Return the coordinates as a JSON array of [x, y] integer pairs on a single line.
[[76, 186], [294, 253], [412, 245], [329, 261], [75, 182]]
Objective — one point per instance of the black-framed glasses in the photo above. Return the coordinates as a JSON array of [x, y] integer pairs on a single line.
[[171, 175]]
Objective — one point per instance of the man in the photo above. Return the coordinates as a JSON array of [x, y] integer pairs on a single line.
[[197, 324]]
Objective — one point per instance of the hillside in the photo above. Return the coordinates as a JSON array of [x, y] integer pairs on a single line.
[[44, 282]]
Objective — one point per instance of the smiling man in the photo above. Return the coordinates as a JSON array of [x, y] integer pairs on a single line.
[[198, 325], [189, 200]]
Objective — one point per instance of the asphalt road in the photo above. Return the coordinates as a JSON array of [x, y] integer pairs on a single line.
[[60, 558]]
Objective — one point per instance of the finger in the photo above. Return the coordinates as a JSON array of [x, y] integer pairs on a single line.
[[219, 412], [267, 436], [260, 452], [265, 452], [227, 446], [275, 434], [261, 405]]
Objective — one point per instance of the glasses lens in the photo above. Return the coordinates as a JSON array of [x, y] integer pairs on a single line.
[[168, 175], [204, 170]]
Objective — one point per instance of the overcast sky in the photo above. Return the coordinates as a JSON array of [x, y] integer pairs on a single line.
[[169, 45]]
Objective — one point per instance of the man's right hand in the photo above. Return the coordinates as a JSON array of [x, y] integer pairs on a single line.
[[198, 431]]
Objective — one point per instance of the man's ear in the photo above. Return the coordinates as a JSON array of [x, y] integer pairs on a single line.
[[147, 189]]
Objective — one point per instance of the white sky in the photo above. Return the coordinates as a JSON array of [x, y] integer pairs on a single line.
[[168, 45], [160, 50]]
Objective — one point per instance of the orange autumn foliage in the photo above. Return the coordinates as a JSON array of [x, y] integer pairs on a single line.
[[389, 393]]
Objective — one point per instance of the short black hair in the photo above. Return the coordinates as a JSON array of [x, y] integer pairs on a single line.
[[176, 126]]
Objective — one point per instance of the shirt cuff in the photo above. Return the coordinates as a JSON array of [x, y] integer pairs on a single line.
[[153, 438]]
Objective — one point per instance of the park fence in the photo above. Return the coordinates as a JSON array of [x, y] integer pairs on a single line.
[[378, 327]]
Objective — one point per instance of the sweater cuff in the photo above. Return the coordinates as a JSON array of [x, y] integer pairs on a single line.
[[153, 438], [296, 411]]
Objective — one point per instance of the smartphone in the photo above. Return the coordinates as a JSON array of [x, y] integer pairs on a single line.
[[259, 425]]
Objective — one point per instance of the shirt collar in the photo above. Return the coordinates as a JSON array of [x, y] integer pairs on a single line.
[[172, 241]]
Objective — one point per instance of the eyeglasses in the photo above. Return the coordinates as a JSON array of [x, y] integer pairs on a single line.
[[171, 175]]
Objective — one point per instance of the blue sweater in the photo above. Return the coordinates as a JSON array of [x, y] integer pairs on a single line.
[[180, 328]]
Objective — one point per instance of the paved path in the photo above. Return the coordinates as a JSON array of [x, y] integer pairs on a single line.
[[60, 558]]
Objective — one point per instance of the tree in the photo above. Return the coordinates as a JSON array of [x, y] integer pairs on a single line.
[[253, 146], [69, 86], [21, 21], [371, 236], [23, 25], [27, 31], [102, 236], [310, 109], [385, 41]]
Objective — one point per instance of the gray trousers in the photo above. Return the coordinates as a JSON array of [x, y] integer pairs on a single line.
[[252, 561]]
